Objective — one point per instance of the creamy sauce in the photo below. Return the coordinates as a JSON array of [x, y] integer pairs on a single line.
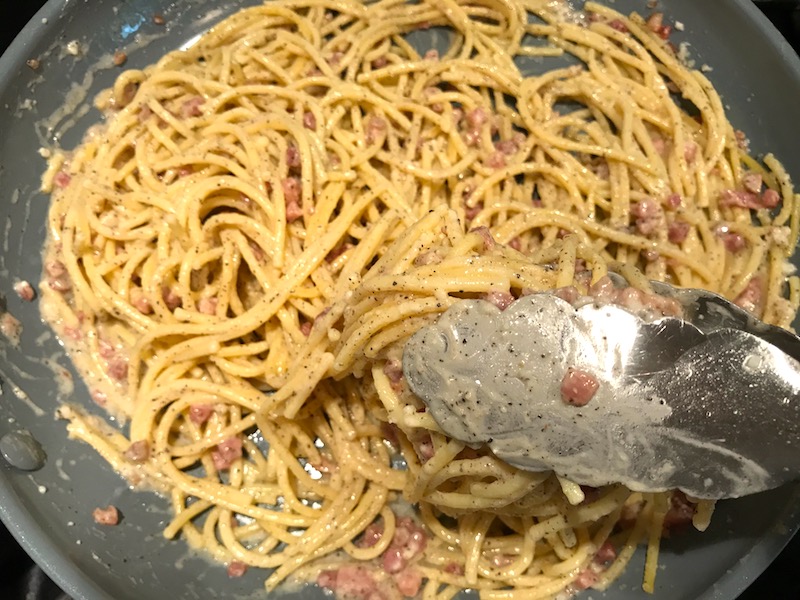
[[10, 328], [26, 399], [92, 345], [18, 377], [61, 472], [8, 383], [75, 103]]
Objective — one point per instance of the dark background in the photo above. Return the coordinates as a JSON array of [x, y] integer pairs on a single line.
[[23, 580]]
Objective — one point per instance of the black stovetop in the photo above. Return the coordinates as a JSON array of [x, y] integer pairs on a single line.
[[22, 579]]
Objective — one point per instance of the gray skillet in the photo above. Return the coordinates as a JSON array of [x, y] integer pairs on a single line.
[[49, 511]]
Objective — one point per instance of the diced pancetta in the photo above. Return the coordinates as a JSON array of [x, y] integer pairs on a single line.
[[227, 452]]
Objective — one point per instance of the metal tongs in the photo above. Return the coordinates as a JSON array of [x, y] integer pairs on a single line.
[[708, 403]]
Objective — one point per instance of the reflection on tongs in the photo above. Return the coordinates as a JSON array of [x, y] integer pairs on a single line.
[[707, 402]]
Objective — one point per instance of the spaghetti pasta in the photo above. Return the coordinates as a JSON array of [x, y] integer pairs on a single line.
[[237, 256]]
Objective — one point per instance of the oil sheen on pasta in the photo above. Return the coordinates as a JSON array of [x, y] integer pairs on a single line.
[[236, 257]]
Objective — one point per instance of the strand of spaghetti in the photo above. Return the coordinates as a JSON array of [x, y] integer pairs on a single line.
[[368, 553], [510, 484], [624, 556], [221, 495], [393, 404], [236, 550], [313, 542], [153, 399], [533, 220], [442, 457], [183, 514], [260, 313], [651, 561], [110, 445], [348, 279], [702, 517], [300, 385], [478, 525], [376, 470], [790, 211], [362, 330]]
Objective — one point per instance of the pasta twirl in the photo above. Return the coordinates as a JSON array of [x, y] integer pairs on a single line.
[[236, 257]]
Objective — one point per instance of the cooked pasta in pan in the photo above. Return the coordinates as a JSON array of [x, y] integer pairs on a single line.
[[236, 257]]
